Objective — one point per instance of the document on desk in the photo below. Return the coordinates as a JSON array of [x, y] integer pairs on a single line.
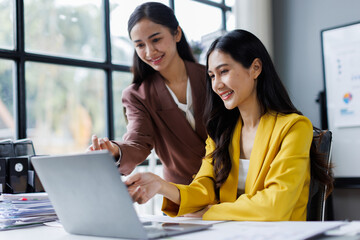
[[349, 229], [27, 196], [25, 210], [263, 230]]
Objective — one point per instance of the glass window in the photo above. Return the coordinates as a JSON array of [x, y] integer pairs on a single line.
[[120, 81], [122, 49], [199, 33], [230, 3], [7, 122], [65, 28], [7, 24], [206, 23], [65, 106], [230, 16]]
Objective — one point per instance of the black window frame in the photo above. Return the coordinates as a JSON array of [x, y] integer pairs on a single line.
[[20, 56]]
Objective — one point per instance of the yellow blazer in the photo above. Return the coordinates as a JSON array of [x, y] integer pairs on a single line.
[[277, 184]]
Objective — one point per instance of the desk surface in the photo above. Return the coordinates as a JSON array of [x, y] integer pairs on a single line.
[[224, 230]]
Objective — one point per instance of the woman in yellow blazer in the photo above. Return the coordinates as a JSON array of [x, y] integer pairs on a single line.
[[277, 183], [250, 120]]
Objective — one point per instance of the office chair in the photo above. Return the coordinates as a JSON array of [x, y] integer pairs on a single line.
[[317, 194]]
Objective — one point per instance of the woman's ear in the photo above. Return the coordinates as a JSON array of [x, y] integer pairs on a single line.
[[256, 67], [178, 34]]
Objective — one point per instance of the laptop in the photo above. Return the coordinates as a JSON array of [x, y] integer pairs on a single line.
[[90, 198]]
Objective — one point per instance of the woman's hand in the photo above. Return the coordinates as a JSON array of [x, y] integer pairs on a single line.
[[103, 144], [199, 213], [143, 186]]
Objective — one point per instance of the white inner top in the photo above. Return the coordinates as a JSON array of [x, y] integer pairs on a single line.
[[187, 108], [243, 171]]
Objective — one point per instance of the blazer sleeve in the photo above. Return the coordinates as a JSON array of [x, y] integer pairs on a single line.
[[138, 140], [200, 193], [283, 185]]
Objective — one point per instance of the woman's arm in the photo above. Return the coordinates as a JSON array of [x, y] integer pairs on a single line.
[[137, 141], [178, 199], [143, 186], [139, 137], [199, 195]]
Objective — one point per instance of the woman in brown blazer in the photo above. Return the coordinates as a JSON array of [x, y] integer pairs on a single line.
[[164, 104]]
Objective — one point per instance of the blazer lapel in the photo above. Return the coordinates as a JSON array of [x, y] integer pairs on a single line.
[[198, 90], [261, 144], [173, 117], [260, 149], [164, 99]]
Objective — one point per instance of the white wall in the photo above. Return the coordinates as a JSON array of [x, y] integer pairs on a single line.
[[255, 16]]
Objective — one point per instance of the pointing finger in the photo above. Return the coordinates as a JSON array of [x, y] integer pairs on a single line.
[[95, 142]]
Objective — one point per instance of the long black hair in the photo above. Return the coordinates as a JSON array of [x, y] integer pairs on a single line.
[[244, 47], [160, 14]]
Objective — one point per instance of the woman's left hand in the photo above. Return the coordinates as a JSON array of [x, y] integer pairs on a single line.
[[199, 213]]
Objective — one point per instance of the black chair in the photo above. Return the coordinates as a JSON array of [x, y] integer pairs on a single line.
[[316, 207]]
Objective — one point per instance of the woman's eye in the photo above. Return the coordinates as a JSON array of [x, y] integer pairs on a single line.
[[156, 40], [140, 45], [224, 71]]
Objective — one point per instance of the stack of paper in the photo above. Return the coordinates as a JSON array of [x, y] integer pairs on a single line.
[[24, 210]]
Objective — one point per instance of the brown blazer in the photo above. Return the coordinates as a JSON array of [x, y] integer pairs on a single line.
[[155, 121]]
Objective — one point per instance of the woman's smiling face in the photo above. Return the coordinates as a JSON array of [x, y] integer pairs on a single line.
[[155, 44], [235, 84]]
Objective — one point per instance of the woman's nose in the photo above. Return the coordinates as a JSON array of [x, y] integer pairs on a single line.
[[150, 50], [217, 83]]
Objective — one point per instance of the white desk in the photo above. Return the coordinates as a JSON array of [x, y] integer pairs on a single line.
[[225, 230]]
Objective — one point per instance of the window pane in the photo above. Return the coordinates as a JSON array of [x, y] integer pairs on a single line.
[[230, 3], [6, 24], [65, 28], [121, 46], [120, 81], [230, 16], [7, 122], [199, 33], [65, 106]]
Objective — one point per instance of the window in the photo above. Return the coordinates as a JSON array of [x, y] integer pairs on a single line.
[[65, 106], [65, 63], [7, 24], [187, 11], [66, 28], [7, 122], [201, 32], [120, 81]]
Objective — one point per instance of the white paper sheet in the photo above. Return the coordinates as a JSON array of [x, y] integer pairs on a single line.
[[262, 230]]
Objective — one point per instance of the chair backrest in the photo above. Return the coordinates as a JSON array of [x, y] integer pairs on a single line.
[[317, 195]]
